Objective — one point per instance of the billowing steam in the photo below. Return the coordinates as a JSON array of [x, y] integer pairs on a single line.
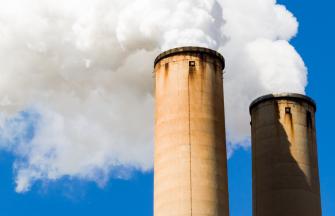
[[76, 83]]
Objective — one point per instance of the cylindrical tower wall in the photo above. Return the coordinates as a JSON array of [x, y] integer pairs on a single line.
[[190, 151], [284, 156]]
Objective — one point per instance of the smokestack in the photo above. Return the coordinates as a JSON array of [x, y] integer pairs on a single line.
[[284, 156], [190, 149]]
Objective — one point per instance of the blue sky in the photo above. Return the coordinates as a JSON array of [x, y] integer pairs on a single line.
[[315, 43]]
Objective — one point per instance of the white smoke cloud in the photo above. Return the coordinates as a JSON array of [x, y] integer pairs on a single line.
[[259, 60], [167, 24], [76, 84]]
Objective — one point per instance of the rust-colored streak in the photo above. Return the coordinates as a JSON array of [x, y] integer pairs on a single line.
[[191, 72], [166, 70], [202, 72], [288, 122]]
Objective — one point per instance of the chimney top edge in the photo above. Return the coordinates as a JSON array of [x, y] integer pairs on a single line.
[[187, 49], [282, 96]]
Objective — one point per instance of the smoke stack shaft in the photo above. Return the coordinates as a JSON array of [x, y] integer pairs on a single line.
[[284, 156], [190, 152]]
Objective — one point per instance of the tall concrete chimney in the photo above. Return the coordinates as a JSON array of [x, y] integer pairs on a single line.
[[284, 156], [190, 151]]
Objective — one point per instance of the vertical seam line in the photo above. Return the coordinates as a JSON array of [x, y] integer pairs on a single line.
[[189, 137]]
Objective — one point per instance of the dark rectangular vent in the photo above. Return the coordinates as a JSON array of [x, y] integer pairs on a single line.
[[288, 110]]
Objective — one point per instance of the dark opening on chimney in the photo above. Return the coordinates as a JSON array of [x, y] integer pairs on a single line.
[[288, 110]]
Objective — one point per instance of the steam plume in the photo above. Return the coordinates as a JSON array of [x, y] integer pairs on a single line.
[[76, 86]]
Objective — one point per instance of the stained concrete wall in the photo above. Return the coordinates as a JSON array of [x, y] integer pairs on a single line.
[[284, 156], [190, 152]]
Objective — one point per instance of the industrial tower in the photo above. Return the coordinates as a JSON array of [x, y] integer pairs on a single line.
[[190, 150]]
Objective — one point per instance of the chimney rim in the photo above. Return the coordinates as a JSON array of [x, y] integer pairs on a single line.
[[187, 49], [283, 96]]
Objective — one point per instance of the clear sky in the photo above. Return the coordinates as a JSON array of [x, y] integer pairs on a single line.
[[315, 43]]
